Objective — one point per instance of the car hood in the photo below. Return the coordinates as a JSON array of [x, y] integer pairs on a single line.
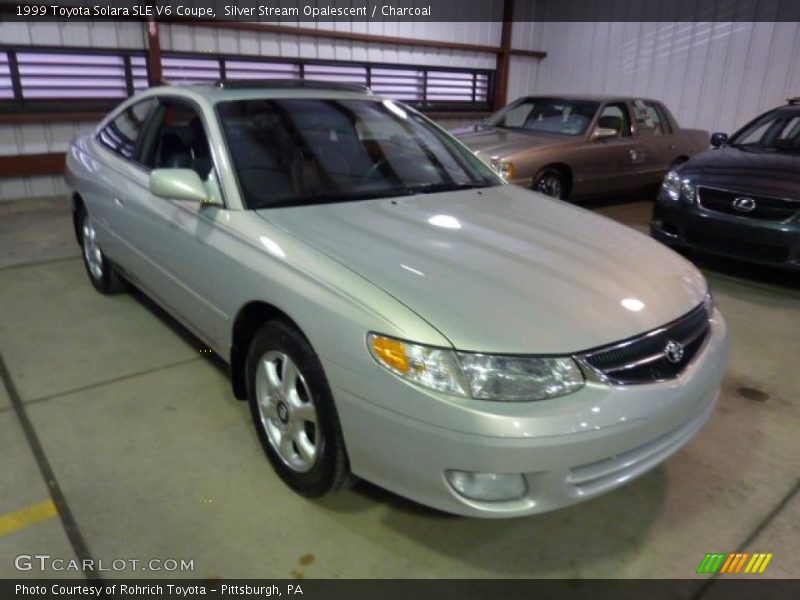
[[503, 269], [746, 170], [491, 141]]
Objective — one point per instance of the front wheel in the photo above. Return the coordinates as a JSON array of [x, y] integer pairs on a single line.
[[102, 274], [550, 182], [293, 411]]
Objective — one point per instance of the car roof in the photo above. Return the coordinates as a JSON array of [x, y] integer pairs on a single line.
[[223, 91], [594, 97]]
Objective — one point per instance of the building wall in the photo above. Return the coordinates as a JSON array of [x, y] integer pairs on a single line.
[[54, 137], [36, 138], [713, 76]]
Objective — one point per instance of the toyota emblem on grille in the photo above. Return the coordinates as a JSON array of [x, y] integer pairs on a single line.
[[744, 204], [673, 351]]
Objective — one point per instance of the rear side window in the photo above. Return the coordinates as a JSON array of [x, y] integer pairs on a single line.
[[122, 133], [650, 120]]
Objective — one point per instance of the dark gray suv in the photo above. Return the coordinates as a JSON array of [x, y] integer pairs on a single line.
[[742, 197]]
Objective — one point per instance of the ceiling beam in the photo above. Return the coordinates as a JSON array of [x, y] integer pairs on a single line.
[[367, 38]]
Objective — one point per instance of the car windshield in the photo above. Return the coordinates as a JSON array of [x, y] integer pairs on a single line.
[[776, 131], [296, 151], [548, 115]]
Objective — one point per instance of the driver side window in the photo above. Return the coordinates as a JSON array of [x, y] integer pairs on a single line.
[[615, 117]]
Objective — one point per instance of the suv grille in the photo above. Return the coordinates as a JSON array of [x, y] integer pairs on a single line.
[[767, 208], [735, 247], [643, 359]]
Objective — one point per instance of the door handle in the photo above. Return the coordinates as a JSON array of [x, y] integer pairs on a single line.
[[118, 202]]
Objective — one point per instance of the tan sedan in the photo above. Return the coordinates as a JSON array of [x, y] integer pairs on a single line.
[[579, 146]]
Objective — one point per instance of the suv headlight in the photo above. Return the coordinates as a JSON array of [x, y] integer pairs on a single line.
[[678, 188], [479, 376]]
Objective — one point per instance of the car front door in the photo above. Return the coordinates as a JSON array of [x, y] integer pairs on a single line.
[[608, 160], [176, 241]]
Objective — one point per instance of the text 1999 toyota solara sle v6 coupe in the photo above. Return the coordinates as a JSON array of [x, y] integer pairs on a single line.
[[390, 307]]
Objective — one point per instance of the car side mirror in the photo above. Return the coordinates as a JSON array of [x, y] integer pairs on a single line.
[[604, 133], [178, 184], [719, 139]]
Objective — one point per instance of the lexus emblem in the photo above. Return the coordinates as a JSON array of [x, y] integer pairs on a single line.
[[744, 204], [673, 351]]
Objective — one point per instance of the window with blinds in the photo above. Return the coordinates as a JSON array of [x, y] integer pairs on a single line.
[[65, 75], [44, 77], [6, 85], [249, 69], [181, 70]]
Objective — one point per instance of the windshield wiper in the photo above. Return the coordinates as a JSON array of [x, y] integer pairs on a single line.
[[433, 188]]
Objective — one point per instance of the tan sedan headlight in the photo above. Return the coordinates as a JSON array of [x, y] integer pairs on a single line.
[[478, 376], [503, 168]]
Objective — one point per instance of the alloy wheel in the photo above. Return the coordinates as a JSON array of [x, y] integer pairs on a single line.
[[91, 251], [287, 410]]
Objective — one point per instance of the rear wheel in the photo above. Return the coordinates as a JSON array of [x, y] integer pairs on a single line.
[[102, 274], [550, 182], [293, 411]]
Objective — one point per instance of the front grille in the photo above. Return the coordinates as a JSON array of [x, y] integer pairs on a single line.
[[643, 359], [766, 208], [736, 247]]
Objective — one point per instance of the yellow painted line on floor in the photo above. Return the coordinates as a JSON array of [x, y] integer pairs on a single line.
[[25, 517]]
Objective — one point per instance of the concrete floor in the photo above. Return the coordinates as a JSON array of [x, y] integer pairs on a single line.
[[152, 457]]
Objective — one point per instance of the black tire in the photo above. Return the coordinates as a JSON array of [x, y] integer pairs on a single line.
[[101, 272], [551, 182], [330, 468]]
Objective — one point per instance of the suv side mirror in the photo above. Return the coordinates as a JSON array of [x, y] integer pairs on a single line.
[[719, 139], [178, 184], [604, 133]]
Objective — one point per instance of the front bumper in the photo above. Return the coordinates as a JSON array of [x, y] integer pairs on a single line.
[[568, 449], [763, 242]]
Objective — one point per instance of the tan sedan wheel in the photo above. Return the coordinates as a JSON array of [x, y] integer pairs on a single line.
[[550, 182]]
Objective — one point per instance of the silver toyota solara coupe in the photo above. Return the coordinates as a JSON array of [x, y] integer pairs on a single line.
[[389, 307]]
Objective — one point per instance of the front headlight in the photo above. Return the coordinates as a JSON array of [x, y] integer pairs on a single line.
[[520, 378], [433, 368], [503, 168], [678, 188], [479, 376]]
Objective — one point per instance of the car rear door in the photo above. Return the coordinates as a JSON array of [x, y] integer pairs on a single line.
[[657, 138]]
